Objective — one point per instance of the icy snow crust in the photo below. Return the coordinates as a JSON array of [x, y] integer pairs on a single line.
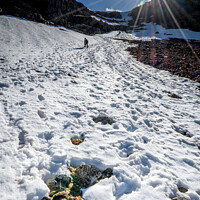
[[42, 108]]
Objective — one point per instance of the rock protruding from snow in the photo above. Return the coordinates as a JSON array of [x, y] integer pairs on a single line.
[[41, 114], [180, 198], [175, 96], [182, 189], [104, 120], [88, 174], [82, 177], [41, 98], [4, 85], [76, 141], [58, 181]]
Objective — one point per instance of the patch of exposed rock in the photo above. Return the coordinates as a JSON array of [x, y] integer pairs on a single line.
[[182, 189], [174, 55], [113, 14], [76, 141], [165, 13], [67, 13], [103, 120], [180, 198], [84, 176]]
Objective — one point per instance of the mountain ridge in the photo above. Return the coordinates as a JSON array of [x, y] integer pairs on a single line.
[[170, 14], [67, 13]]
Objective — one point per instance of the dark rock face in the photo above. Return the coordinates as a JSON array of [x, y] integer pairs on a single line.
[[31, 10], [63, 11], [68, 13], [174, 55], [185, 12], [113, 14]]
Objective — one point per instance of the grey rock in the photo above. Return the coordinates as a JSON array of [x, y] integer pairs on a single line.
[[103, 120], [58, 181], [88, 175], [21, 103], [51, 182], [41, 98], [31, 89], [63, 179], [41, 114], [180, 198], [2, 85]]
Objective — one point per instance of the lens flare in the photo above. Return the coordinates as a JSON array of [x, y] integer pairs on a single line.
[[178, 26], [141, 3]]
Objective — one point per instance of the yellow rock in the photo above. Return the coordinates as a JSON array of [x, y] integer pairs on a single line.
[[60, 196], [76, 141], [75, 198]]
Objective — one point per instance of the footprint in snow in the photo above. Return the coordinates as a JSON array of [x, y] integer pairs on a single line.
[[129, 126], [125, 149]]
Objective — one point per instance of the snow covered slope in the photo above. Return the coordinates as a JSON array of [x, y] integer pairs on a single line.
[[51, 89], [157, 31]]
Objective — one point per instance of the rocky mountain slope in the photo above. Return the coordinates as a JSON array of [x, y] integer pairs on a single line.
[[170, 13], [68, 13]]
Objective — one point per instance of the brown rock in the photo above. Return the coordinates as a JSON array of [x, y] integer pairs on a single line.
[[180, 198], [182, 189], [76, 141]]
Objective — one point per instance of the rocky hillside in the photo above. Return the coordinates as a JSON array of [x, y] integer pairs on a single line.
[[173, 55], [186, 13], [68, 13], [114, 14]]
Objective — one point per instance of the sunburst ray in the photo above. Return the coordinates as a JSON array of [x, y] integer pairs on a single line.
[[178, 26]]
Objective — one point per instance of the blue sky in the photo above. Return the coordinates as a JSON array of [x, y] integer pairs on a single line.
[[102, 5]]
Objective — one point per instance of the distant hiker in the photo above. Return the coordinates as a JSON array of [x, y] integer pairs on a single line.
[[85, 43]]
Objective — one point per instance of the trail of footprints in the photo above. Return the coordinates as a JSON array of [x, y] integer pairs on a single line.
[[46, 69]]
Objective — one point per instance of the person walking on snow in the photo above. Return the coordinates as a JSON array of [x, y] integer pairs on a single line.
[[85, 43]]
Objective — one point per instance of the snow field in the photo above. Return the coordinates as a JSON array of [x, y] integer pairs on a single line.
[[51, 89]]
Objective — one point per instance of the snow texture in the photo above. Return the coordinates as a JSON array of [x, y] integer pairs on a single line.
[[157, 31], [50, 90]]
